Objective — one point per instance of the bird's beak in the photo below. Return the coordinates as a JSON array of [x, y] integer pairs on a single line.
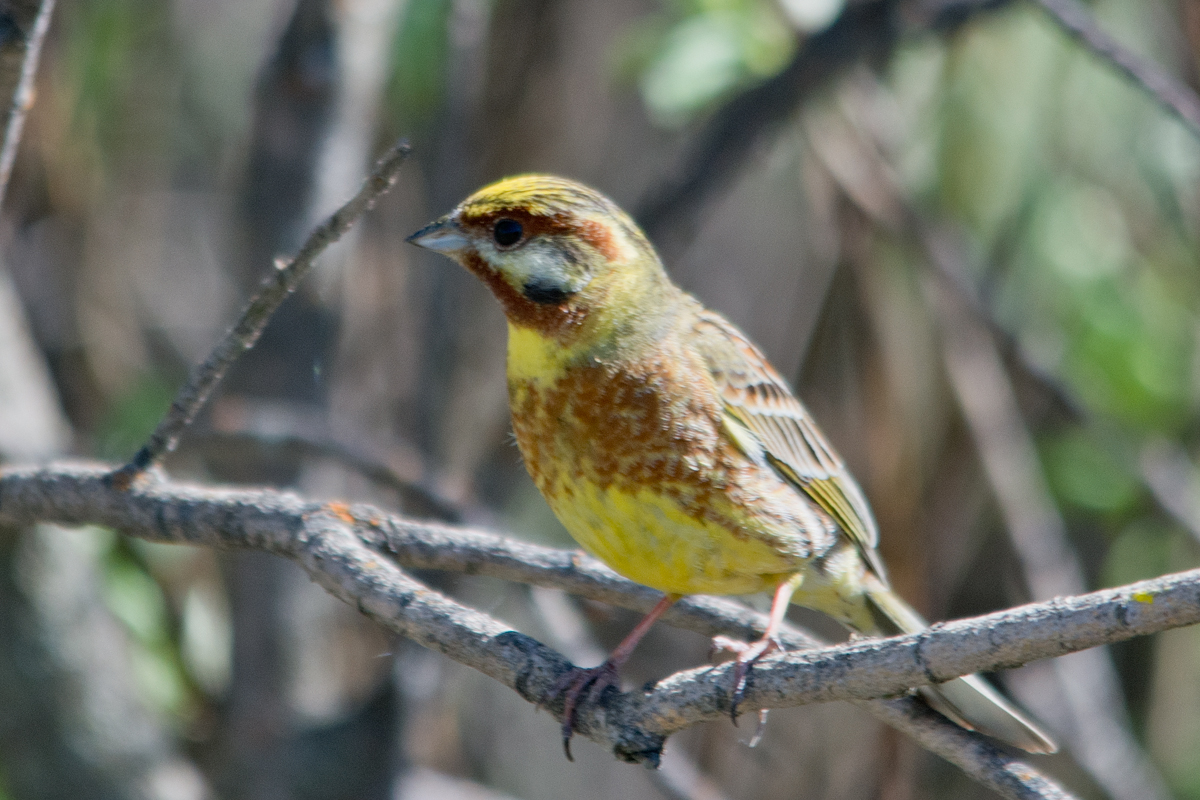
[[442, 236]]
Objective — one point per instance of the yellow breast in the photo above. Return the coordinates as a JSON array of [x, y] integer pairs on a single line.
[[633, 461]]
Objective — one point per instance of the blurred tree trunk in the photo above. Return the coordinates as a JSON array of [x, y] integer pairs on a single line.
[[313, 129], [294, 101]]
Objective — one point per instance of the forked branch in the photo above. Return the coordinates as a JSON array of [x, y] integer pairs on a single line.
[[356, 552], [274, 289]]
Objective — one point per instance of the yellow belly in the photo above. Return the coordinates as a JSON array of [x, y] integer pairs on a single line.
[[650, 539], [638, 470]]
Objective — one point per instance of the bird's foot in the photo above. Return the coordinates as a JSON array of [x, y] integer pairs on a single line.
[[748, 654], [579, 685]]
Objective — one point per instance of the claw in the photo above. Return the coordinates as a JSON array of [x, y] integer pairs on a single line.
[[575, 684], [741, 671], [747, 656], [575, 681]]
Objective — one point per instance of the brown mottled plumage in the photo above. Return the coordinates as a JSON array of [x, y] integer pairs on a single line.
[[664, 440]]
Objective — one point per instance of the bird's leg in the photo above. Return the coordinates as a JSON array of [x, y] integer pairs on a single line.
[[749, 653], [591, 680]]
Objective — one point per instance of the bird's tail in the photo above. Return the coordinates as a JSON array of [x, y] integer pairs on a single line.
[[969, 700]]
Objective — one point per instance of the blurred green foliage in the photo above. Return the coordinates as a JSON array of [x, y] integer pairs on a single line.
[[698, 52], [1079, 195], [1142, 550], [136, 599], [1089, 476], [1044, 154], [116, 68], [418, 74]]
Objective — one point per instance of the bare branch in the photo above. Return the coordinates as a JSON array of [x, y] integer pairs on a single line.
[[973, 754], [241, 337], [1170, 93], [678, 776], [23, 94], [872, 668], [735, 131], [342, 548], [865, 32]]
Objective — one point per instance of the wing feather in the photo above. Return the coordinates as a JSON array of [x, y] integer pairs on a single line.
[[757, 398]]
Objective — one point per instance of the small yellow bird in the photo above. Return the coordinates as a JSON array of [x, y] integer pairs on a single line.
[[664, 441]]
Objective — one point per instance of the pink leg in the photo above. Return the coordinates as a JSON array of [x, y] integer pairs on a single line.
[[593, 680], [748, 654]]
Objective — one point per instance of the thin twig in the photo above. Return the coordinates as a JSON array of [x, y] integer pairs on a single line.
[[241, 337], [342, 546], [23, 95], [1170, 93]]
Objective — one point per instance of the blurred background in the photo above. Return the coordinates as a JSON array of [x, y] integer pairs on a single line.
[[970, 244]]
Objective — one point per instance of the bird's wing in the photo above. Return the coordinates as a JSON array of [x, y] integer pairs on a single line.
[[757, 398]]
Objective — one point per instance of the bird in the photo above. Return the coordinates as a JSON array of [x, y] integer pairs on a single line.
[[667, 444]]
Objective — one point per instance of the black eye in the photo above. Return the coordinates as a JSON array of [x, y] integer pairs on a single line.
[[507, 232]]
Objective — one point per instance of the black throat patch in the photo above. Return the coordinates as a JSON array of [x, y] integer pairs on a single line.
[[546, 294]]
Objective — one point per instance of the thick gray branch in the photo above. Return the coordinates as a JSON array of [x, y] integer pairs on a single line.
[[289, 525], [880, 667], [343, 548]]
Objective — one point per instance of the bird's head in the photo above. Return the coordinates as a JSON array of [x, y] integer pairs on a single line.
[[554, 252]]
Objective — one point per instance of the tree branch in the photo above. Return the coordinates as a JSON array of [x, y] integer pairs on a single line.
[[342, 548], [241, 337], [726, 141], [872, 668], [973, 754], [1172, 94], [22, 98], [359, 457], [864, 32]]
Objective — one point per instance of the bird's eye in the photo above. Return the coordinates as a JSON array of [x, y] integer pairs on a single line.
[[507, 232]]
